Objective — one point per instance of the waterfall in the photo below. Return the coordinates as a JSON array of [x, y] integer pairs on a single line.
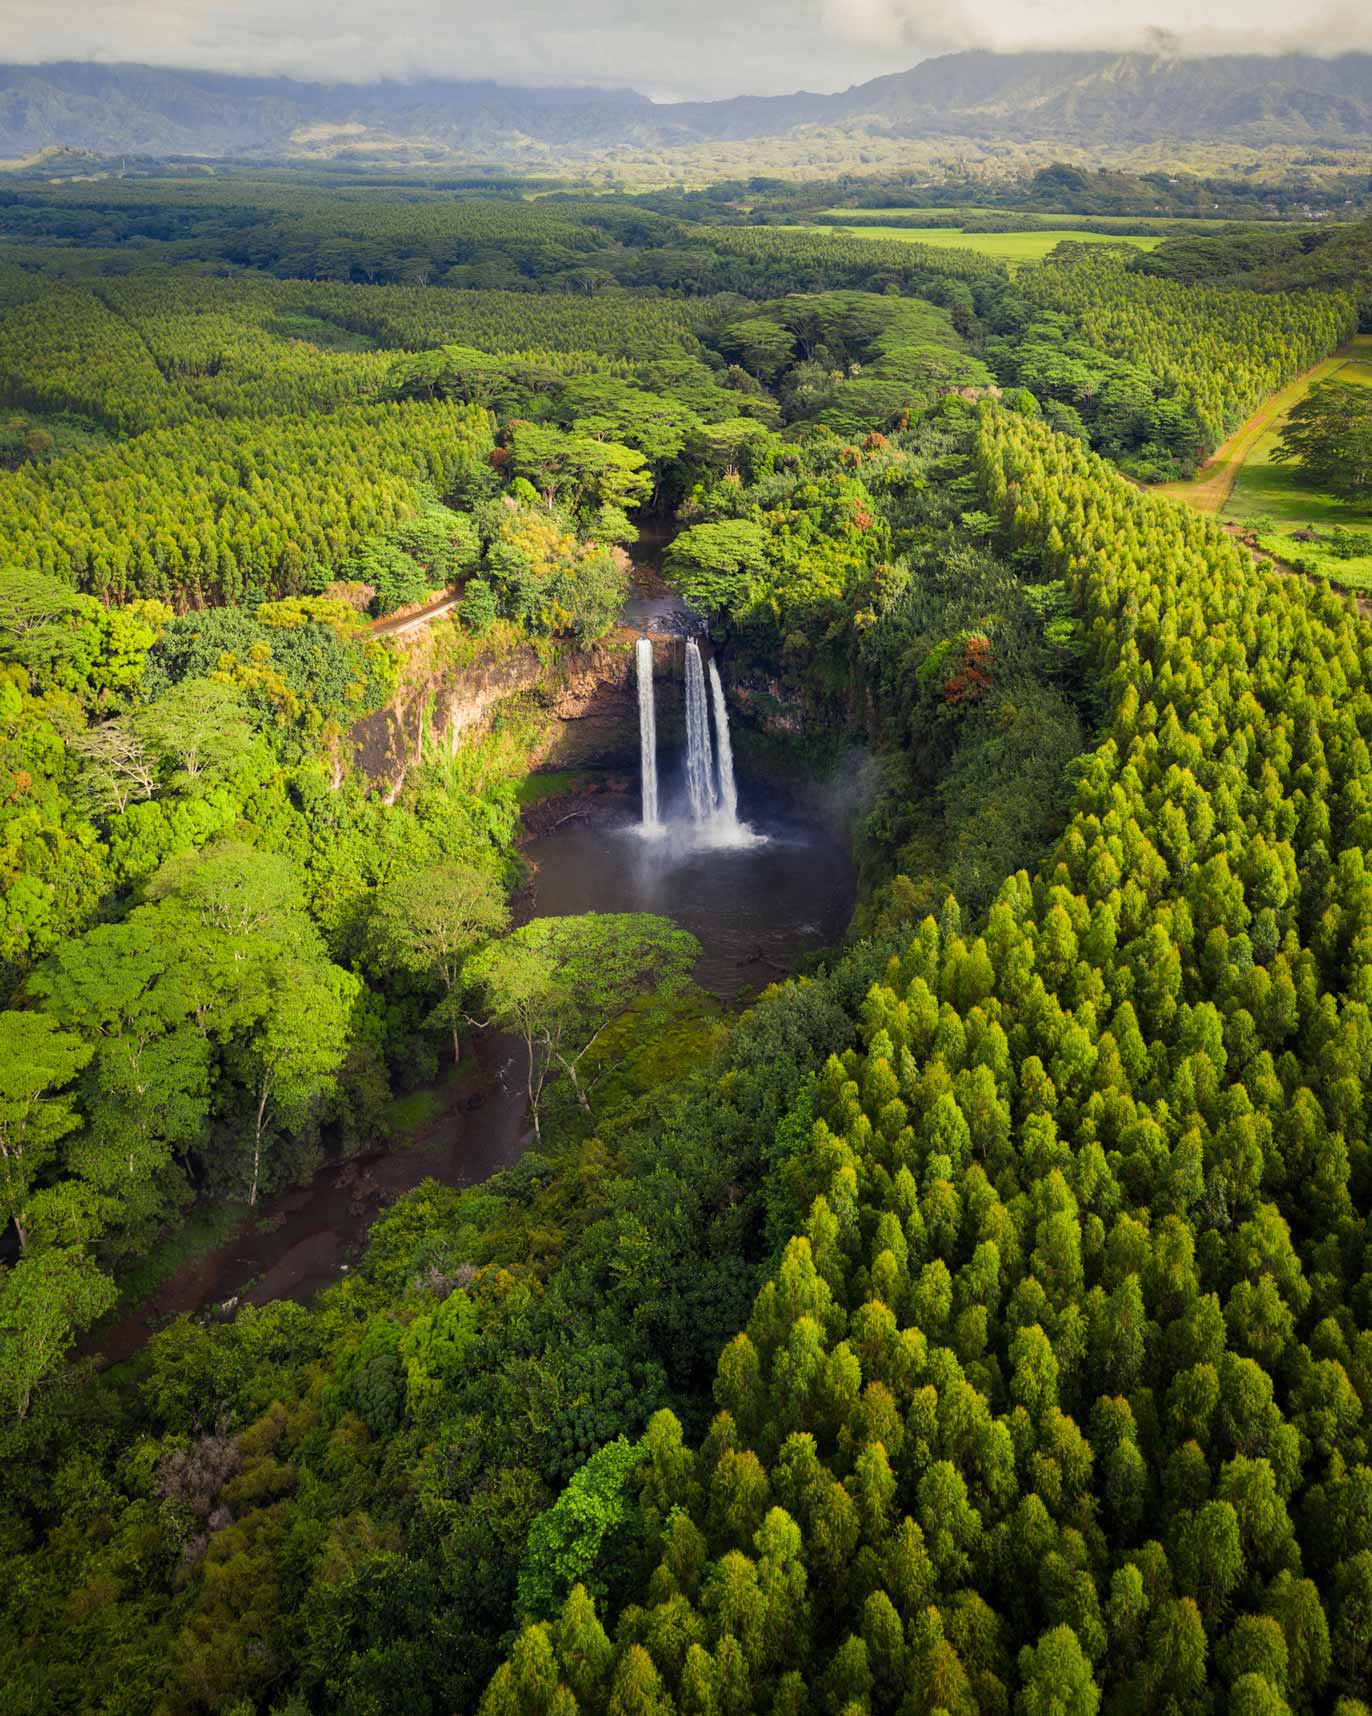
[[728, 792], [700, 771], [647, 735]]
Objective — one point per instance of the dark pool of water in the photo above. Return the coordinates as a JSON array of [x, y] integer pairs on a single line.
[[756, 907], [308, 1237]]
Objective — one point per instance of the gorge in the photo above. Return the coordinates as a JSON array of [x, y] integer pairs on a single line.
[[760, 896]]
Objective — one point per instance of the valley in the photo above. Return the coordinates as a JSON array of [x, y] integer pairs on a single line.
[[685, 902]]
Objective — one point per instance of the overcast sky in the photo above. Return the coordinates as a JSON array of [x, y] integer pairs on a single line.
[[672, 49]]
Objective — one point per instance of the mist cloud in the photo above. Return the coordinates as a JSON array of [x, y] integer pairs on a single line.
[[1154, 26], [668, 48]]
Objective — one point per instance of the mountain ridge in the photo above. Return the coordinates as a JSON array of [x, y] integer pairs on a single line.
[[1083, 96]]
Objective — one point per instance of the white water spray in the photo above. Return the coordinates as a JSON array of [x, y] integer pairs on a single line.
[[728, 792], [647, 735], [700, 770]]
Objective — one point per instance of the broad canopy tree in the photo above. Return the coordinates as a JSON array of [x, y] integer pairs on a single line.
[[558, 982], [718, 565], [1329, 434], [577, 472], [292, 1038], [214, 998], [430, 922]]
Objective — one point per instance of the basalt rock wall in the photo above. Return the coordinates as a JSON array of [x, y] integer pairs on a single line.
[[584, 702]]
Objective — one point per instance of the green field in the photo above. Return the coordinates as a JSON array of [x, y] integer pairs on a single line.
[[1011, 247], [1059, 221], [1265, 492]]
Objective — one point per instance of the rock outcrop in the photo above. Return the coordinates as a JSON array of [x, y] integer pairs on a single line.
[[585, 702]]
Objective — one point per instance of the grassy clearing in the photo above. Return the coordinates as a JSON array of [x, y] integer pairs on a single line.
[[1277, 491], [1243, 486], [1065, 221], [1273, 497], [1011, 247], [1316, 559], [1210, 490]]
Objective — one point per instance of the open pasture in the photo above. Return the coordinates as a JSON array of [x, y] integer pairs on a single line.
[[920, 216], [1274, 495], [1013, 248]]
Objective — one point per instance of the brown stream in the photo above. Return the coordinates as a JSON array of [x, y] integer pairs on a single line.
[[302, 1240]]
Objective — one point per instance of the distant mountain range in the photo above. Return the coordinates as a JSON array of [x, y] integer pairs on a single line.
[[1085, 98]]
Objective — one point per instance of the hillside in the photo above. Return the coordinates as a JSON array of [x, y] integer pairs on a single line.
[[1082, 98]]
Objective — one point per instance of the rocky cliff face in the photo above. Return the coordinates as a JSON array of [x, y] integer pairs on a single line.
[[586, 702], [770, 703]]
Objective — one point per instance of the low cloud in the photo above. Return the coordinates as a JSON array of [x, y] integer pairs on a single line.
[[1161, 27], [712, 47], [668, 50]]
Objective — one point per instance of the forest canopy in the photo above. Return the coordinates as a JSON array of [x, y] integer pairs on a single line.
[[978, 1321]]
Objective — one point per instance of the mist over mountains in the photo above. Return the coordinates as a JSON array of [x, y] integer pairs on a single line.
[[1089, 98]]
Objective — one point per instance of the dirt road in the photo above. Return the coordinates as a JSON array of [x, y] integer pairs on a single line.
[[1211, 488], [396, 625]]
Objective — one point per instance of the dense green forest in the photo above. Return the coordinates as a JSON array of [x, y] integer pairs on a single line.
[[1041, 195], [979, 1321]]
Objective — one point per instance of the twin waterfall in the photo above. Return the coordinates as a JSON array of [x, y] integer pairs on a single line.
[[647, 735], [700, 767], [712, 793]]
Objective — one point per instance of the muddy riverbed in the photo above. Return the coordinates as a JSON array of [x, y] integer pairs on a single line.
[[303, 1240]]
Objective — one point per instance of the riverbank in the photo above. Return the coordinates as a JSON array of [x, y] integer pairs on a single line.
[[768, 903], [568, 796], [304, 1239]]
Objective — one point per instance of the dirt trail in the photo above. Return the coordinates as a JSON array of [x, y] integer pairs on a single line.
[[1208, 491], [396, 625]]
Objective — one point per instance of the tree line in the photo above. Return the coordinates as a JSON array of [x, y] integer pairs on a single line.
[[1219, 352], [231, 511]]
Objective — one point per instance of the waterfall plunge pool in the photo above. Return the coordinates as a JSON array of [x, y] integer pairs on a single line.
[[758, 896], [757, 881], [759, 885]]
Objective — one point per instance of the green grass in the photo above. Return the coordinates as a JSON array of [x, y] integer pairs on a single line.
[[1012, 247], [1268, 490], [533, 789], [1315, 558], [1274, 495]]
